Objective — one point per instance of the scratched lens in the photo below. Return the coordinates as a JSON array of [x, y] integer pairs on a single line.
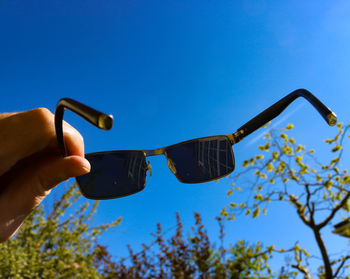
[[114, 174], [201, 160]]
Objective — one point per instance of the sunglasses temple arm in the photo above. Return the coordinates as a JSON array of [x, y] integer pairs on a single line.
[[95, 117], [274, 110]]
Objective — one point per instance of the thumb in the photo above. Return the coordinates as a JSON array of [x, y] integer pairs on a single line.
[[31, 185], [57, 170]]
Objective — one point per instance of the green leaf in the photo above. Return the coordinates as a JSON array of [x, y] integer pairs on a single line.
[[337, 148], [256, 212], [290, 126]]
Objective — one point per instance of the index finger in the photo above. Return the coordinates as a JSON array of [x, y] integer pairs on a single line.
[[6, 114], [24, 134]]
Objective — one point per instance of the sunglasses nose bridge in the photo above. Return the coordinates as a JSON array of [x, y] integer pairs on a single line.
[[149, 168], [171, 165]]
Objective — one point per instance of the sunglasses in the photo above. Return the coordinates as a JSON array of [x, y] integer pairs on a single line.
[[116, 174]]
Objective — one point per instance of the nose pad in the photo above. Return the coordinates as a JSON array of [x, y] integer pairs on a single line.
[[149, 167], [171, 165]]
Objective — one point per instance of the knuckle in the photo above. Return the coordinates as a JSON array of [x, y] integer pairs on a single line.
[[43, 113], [44, 119]]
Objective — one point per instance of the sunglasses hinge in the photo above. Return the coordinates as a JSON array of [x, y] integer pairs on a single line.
[[237, 136]]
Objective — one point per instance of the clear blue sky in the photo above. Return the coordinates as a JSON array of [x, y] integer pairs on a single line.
[[175, 70]]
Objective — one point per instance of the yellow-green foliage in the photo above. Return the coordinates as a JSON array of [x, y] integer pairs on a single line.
[[54, 245], [289, 172]]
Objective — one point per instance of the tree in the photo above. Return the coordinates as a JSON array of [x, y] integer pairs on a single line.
[[194, 256], [319, 193], [54, 245]]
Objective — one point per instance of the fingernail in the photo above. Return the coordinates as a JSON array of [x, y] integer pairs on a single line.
[[86, 166]]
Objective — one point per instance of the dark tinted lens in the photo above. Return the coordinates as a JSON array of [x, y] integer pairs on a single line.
[[114, 174], [203, 159]]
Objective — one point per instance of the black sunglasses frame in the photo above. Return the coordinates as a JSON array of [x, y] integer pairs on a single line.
[[162, 151], [93, 116], [105, 121]]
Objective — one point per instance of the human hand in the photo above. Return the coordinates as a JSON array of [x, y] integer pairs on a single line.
[[31, 163]]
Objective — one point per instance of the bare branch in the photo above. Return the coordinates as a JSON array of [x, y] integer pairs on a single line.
[[303, 270], [341, 265], [334, 211], [300, 211]]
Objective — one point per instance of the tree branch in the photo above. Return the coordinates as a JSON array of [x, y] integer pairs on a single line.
[[341, 265], [299, 207], [303, 270], [334, 211]]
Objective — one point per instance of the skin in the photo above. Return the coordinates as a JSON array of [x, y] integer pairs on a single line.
[[31, 163]]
